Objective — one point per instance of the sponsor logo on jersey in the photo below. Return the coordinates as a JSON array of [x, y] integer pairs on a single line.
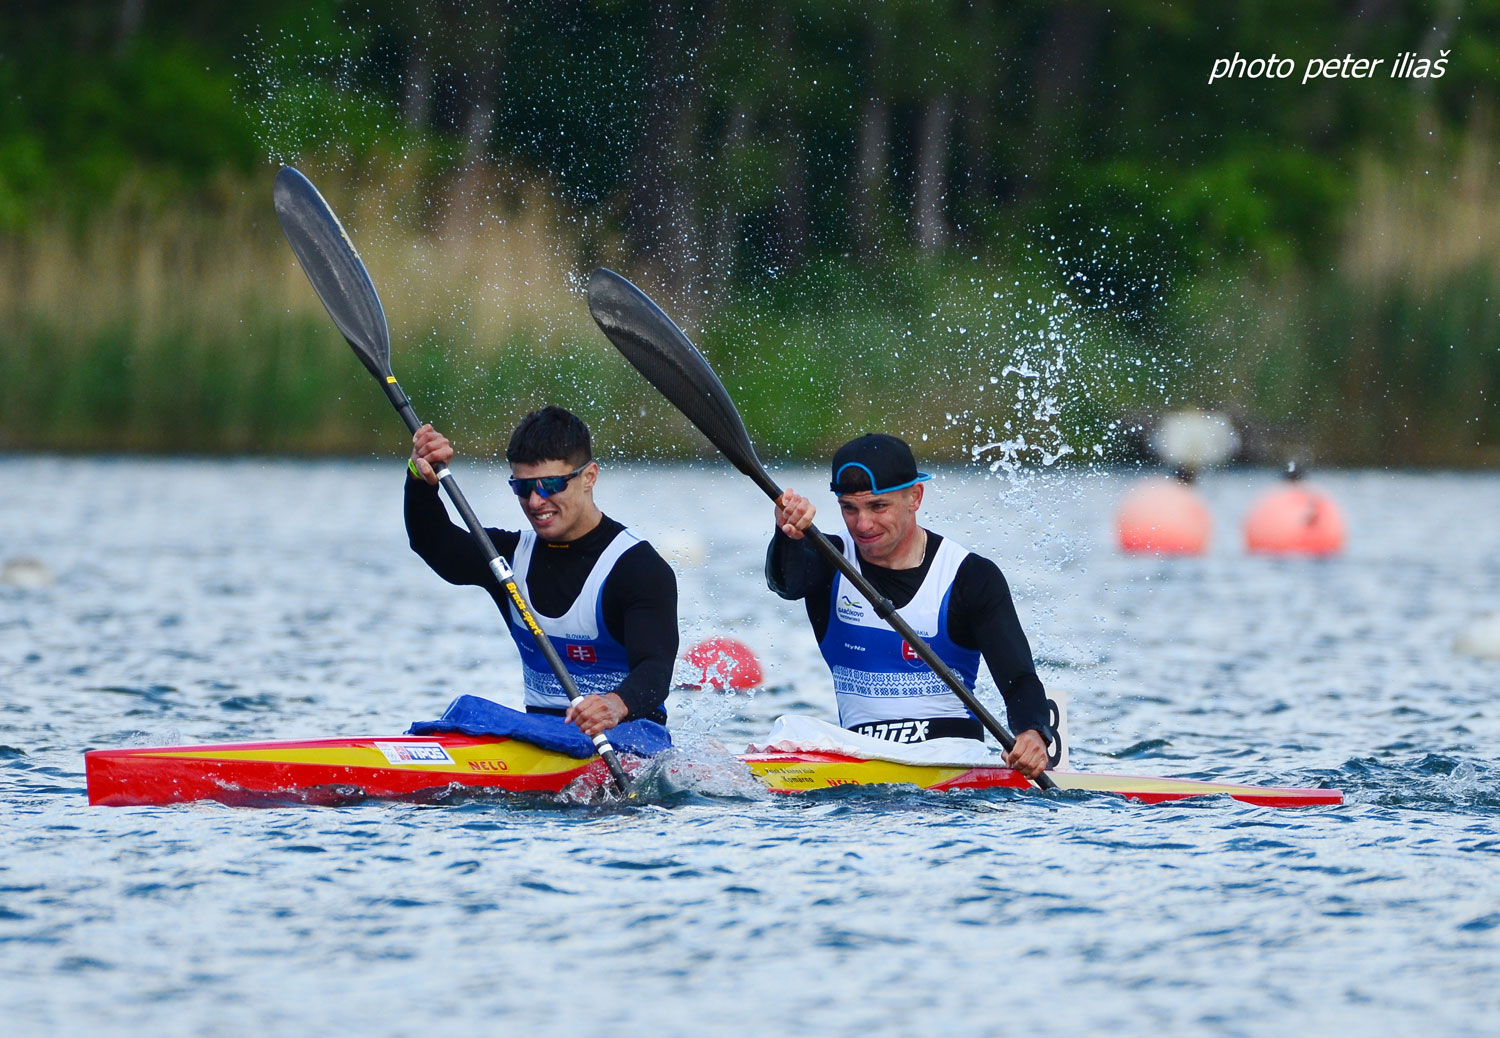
[[849, 610], [895, 731], [414, 753], [581, 654]]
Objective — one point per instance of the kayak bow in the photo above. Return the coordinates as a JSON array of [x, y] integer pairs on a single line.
[[800, 771]]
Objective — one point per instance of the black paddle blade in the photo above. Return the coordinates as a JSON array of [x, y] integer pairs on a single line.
[[337, 273], [659, 350]]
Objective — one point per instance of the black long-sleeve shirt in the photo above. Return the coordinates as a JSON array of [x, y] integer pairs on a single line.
[[639, 595], [981, 614]]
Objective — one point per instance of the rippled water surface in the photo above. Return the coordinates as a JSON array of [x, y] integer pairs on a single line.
[[207, 601]]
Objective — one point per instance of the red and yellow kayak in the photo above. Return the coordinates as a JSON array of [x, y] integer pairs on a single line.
[[803, 770], [332, 771], [328, 771]]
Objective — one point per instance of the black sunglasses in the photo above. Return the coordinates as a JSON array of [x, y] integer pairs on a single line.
[[545, 485]]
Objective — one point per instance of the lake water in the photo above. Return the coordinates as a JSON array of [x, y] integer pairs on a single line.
[[201, 601]]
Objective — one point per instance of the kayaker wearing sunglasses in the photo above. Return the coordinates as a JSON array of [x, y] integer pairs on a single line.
[[602, 594], [956, 600]]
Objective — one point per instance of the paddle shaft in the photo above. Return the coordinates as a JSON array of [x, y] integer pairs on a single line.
[[659, 350], [506, 576], [338, 275], [746, 462]]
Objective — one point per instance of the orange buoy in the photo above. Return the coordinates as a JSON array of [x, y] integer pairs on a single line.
[[725, 663], [1165, 516], [1295, 519]]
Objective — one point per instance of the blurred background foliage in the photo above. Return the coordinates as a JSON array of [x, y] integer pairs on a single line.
[[1010, 231]]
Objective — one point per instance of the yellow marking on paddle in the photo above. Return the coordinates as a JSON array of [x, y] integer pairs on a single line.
[[526, 618], [390, 378]]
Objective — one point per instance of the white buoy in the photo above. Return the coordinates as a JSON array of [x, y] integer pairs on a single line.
[[680, 546], [1195, 440], [1481, 638], [26, 572]]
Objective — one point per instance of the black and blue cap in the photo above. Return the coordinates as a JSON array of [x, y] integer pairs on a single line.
[[876, 463]]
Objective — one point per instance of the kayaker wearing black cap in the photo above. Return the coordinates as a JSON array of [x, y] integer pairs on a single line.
[[602, 594], [956, 600]]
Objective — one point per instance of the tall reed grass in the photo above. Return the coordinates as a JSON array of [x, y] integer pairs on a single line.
[[1390, 355], [188, 328]]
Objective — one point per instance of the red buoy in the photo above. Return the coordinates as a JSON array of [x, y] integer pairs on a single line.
[[1295, 519], [1165, 516], [725, 663]]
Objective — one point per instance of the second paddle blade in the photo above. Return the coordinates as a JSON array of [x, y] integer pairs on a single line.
[[659, 350]]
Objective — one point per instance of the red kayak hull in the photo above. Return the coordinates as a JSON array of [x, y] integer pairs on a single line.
[[336, 771], [329, 771]]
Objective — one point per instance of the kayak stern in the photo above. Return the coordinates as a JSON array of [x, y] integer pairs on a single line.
[[326, 771]]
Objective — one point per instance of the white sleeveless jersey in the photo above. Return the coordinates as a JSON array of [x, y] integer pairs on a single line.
[[876, 675], [596, 662]]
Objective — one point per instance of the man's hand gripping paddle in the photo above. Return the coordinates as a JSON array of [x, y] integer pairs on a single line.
[[339, 277]]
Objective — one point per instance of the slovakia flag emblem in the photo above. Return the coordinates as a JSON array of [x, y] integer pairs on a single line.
[[582, 654], [907, 652]]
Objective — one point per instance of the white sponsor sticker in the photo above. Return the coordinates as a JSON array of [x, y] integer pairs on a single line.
[[414, 752]]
